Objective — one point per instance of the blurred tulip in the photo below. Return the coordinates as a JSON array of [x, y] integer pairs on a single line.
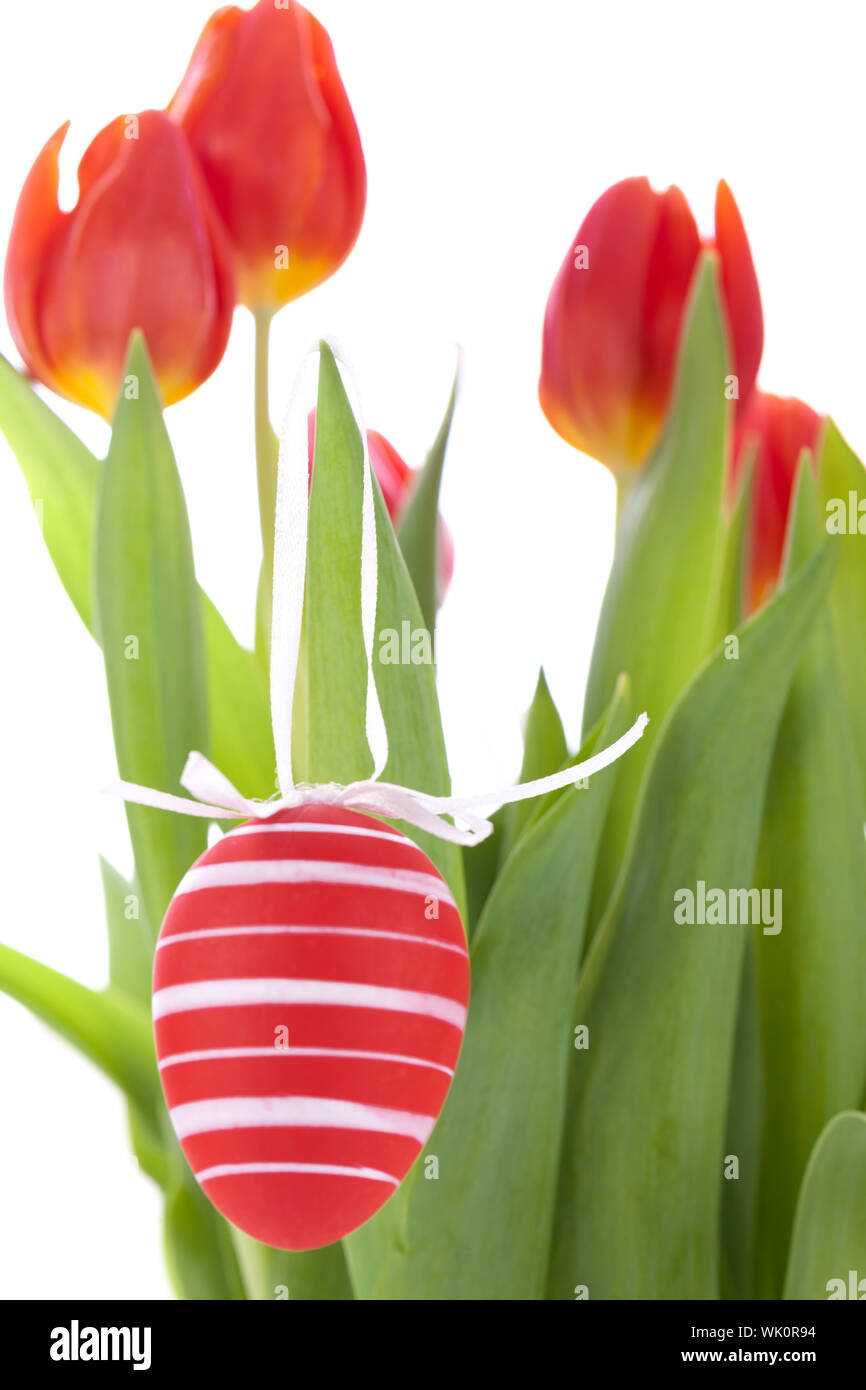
[[615, 317], [264, 109], [142, 248], [779, 428], [396, 481]]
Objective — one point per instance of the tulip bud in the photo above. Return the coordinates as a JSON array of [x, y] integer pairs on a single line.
[[616, 312], [264, 109], [142, 248], [396, 481], [774, 430]]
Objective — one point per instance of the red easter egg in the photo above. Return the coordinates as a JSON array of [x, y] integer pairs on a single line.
[[309, 999]]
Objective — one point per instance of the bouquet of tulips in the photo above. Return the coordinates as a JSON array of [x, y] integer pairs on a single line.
[[659, 1093]]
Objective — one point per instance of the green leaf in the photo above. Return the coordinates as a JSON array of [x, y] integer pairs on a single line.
[[239, 710], [811, 972], [332, 744], [659, 612], [640, 1190], [480, 867], [482, 1230], [418, 531], [829, 1238], [308, 1276], [841, 474], [130, 957], [130, 939], [61, 475], [743, 1138], [106, 1026], [544, 751], [410, 705], [149, 623], [199, 1247], [336, 666], [732, 588], [336, 744]]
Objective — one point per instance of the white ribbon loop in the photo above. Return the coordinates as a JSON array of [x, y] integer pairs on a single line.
[[215, 798]]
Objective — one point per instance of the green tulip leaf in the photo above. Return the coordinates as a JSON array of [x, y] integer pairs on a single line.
[[638, 1213], [829, 1241], [63, 478], [544, 751], [130, 966], [199, 1246], [335, 669], [308, 1275], [335, 663], [482, 1229], [106, 1026], [149, 624], [746, 1102], [480, 867], [732, 606], [238, 708], [743, 1138], [658, 617], [811, 972], [842, 489], [130, 937], [330, 742], [61, 475]]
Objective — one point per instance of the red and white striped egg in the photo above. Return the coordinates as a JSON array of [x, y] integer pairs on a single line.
[[309, 999]]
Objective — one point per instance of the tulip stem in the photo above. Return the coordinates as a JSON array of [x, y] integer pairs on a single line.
[[266, 470]]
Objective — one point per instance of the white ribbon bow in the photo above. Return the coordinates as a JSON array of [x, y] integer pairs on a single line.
[[215, 796]]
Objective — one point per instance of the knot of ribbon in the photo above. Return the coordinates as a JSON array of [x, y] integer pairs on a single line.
[[214, 796]]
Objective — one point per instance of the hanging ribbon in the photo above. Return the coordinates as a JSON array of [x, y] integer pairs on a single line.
[[215, 796]]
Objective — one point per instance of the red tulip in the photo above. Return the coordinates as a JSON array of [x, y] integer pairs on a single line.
[[396, 481], [142, 248], [615, 317], [265, 111], [780, 428]]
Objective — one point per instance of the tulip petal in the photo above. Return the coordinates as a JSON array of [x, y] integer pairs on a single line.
[[780, 427], [37, 224], [616, 312], [670, 269], [613, 322], [143, 248], [740, 292], [162, 269], [265, 111], [424, 538]]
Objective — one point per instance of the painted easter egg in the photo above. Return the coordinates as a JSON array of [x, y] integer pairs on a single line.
[[309, 998]]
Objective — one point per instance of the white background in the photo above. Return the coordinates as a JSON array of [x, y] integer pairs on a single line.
[[489, 128]]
